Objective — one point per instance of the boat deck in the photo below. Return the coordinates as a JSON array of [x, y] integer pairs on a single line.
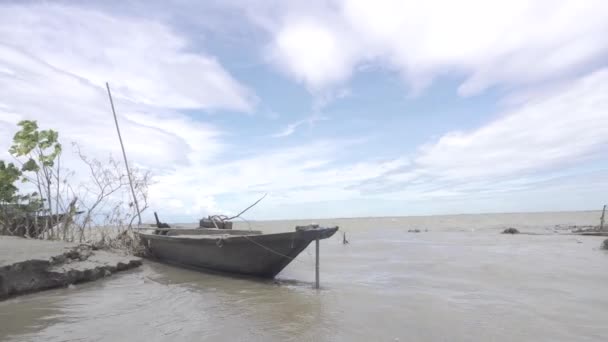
[[203, 236], [201, 231]]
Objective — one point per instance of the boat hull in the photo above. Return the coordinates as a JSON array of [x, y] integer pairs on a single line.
[[260, 255]]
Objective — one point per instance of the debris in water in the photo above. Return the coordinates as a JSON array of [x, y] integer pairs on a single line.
[[510, 231]]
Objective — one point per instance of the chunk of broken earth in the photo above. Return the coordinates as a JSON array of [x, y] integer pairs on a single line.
[[28, 265]]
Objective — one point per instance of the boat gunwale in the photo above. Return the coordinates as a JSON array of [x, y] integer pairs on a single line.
[[227, 237]]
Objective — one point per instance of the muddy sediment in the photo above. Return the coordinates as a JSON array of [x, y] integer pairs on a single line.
[[28, 265]]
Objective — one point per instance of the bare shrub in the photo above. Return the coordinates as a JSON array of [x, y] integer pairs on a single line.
[[107, 204]]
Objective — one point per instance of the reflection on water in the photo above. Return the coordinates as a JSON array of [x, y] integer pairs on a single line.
[[461, 281]]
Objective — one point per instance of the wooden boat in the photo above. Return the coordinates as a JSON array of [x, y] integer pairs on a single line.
[[243, 252]]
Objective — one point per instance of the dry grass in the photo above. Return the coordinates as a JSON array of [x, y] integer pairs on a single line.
[[116, 238]]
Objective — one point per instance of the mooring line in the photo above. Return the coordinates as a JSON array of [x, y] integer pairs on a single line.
[[268, 248], [272, 250]]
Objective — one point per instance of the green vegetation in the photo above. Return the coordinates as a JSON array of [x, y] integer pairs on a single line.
[[9, 174], [38, 198], [37, 153]]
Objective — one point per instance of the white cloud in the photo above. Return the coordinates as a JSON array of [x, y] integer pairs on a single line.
[[54, 61], [328, 61], [488, 42], [291, 128], [528, 149], [564, 127], [145, 61], [545, 135], [295, 174]]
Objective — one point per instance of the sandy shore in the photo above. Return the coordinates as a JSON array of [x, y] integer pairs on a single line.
[[29, 265]]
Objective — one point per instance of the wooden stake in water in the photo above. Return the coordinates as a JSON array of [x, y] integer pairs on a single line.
[[124, 155], [317, 263], [602, 218]]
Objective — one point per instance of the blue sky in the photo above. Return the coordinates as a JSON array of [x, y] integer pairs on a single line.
[[333, 108]]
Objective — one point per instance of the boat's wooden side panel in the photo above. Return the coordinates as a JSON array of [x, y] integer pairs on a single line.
[[263, 255], [252, 255]]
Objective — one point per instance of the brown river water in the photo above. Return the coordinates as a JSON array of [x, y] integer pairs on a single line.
[[459, 281]]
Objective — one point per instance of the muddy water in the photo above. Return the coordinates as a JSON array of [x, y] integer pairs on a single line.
[[460, 281]]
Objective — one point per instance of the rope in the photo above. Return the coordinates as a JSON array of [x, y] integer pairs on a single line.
[[273, 251], [268, 248], [248, 224], [220, 241]]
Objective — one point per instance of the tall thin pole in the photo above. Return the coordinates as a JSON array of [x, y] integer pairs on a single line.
[[124, 155], [317, 263], [602, 218]]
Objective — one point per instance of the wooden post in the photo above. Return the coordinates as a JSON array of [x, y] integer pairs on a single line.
[[317, 263], [124, 154], [602, 218]]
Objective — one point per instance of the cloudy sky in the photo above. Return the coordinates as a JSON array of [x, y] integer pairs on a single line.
[[334, 108]]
